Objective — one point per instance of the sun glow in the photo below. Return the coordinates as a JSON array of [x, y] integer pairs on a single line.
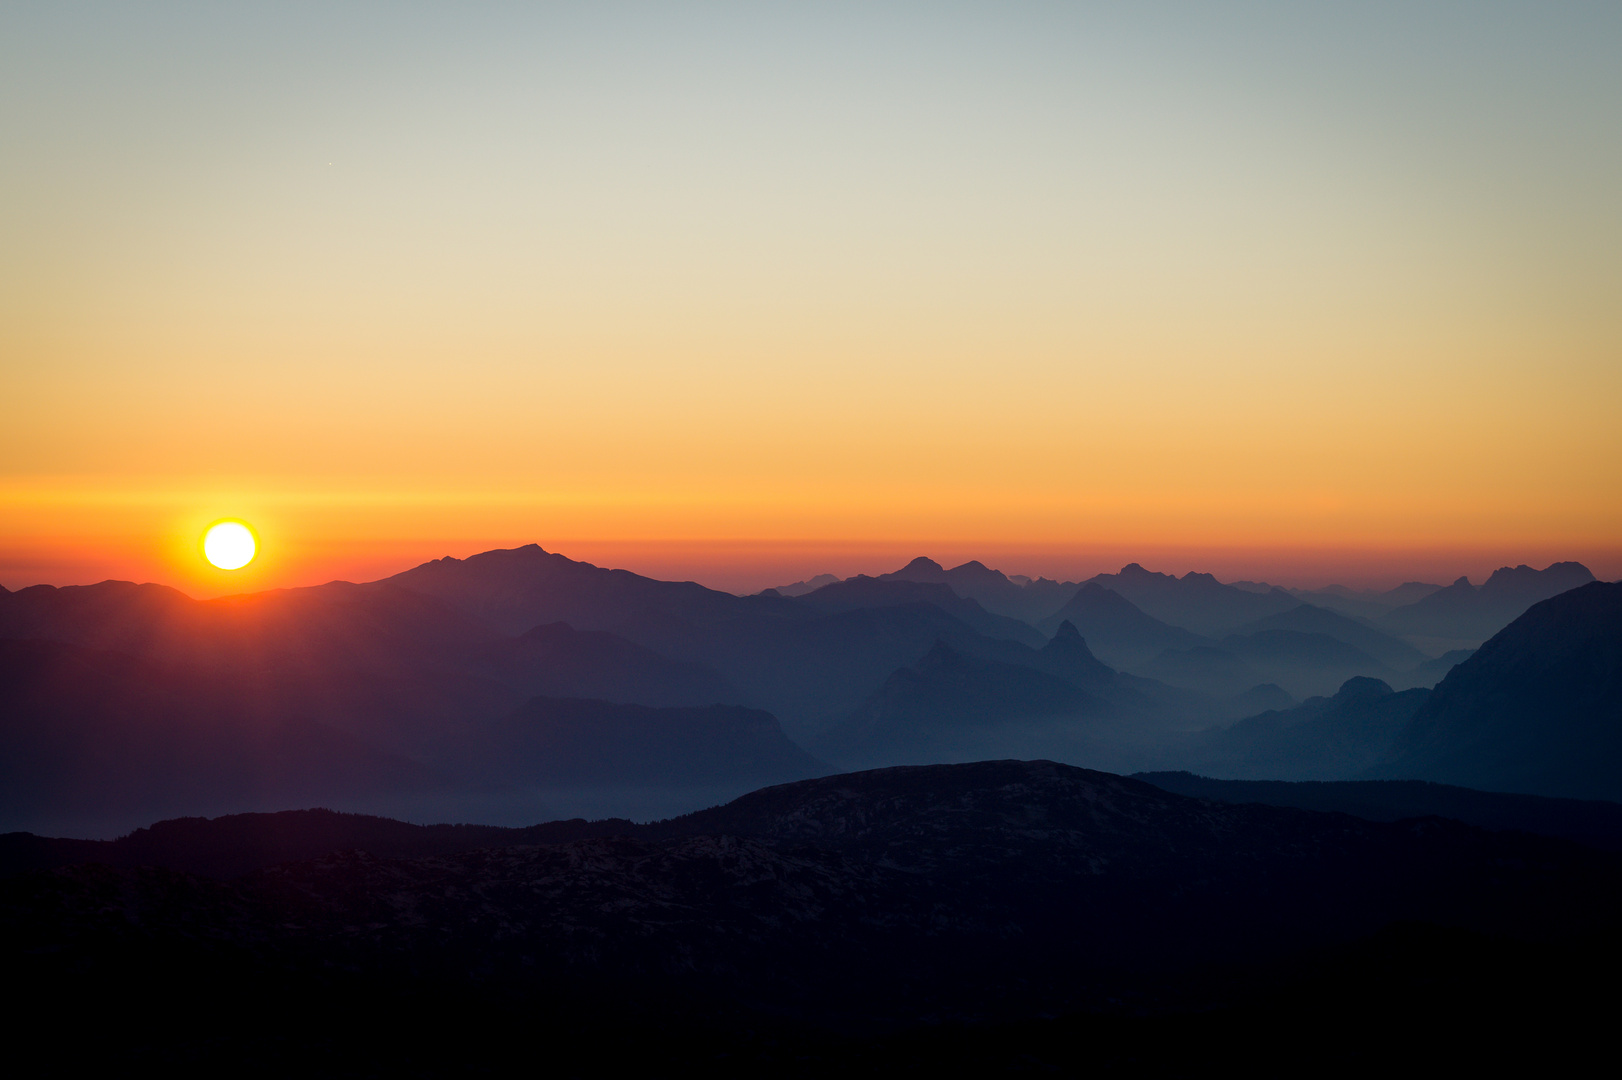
[[229, 545]]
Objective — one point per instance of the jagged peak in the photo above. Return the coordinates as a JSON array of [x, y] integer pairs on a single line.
[[1068, 640], [1573, 570], [923, 562]]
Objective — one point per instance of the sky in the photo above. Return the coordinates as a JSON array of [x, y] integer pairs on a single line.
[[748, 292]]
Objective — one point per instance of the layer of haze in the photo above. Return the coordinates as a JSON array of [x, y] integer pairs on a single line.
[[796, 288]]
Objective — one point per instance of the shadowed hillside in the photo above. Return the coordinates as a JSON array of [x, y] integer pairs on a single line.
[[1118, 631], [1340, 737], [1537, 709]]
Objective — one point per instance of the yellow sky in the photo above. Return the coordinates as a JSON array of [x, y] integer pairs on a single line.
[[1024, 281]]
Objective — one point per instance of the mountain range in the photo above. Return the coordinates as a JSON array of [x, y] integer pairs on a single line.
[[1466, 615], [1163, 626], [512, 683]]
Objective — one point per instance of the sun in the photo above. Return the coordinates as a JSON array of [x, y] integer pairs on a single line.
[[229, 545]]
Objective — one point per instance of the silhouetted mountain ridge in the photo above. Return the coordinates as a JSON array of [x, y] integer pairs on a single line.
[[867, 592], [975, 581], [806, 662], [1310, 619], [1324, 738], [1537, 709], [1464, 613], [1197, 602], [953, 707], [1117, 629]]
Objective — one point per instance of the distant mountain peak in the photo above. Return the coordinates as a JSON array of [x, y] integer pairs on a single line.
[[1557, 577], [1134, 573], [485, 559], [1363, 688], [800, 588], [976, 576], [1067, 641], [923, 564]]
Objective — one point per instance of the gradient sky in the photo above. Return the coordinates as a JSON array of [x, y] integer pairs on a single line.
[[1310, 290]]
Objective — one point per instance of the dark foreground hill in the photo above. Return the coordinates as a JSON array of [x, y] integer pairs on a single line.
[[782, 925]]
